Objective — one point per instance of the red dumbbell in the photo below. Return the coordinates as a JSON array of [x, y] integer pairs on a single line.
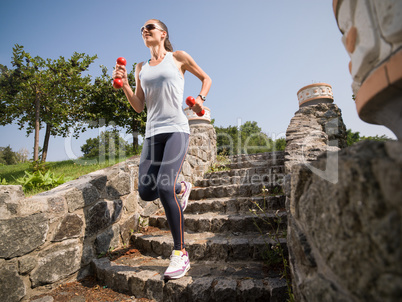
[[190, 101], [117, 82]]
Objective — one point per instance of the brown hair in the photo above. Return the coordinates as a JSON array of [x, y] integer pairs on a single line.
[[167, 44]]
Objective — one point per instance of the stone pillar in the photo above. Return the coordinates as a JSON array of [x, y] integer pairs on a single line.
[[202, 148], [372, 36], [344, 238], [317, 126]]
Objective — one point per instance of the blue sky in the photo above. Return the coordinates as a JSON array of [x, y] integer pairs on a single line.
[[259, 53]]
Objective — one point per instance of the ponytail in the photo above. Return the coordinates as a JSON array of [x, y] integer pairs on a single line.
[[168, 46]]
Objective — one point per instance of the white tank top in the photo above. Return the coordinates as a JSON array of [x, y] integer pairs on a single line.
[[163, 87]]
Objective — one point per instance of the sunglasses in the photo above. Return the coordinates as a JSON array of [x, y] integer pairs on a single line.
[[151, 26]]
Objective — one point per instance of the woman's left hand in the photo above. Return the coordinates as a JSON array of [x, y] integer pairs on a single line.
[[198, 105]]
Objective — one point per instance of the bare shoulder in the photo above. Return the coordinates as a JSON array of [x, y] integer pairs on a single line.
[[181, 56], [138, 66]]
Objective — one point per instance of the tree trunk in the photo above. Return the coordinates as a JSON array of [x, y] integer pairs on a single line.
[[37, 127], [135, 136], [46, 142], [135, 143]]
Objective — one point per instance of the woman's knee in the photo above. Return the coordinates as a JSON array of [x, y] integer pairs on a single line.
[[165, 190], [147, 193], [147, 188]]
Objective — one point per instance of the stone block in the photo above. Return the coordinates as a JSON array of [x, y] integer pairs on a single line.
[[128, 227], [46, 299], [56, 205], [26, 264], [88, 252], [12, 286], [99, 181], [150, 209], [57, 262], [10, 193], [177, 290], [251, 290], [81, 196], [32, 205], [130, 202], [119, 185], [101, 215], [225, 289], [200, 289], [9, 197], [22, 235], [109, 239], [70, 227]]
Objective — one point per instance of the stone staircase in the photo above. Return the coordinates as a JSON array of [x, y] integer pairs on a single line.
[[225, 247]]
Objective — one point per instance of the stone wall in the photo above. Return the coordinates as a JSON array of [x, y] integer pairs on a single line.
[[51, 238], [201, 152], [314, 129], [345, 238]]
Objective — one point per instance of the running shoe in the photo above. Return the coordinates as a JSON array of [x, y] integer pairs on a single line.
[[179, 265], [186, 195]]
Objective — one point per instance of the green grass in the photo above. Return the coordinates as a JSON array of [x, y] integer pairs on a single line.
[[71, 169]]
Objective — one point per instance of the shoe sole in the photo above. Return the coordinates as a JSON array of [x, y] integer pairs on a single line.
[[178, 276], [189, 191]]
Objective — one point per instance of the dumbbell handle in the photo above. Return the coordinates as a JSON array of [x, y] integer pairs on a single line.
[[190, 101], [117, 82]]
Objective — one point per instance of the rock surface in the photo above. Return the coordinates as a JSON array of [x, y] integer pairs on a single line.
[[345, 239], [313, 130]]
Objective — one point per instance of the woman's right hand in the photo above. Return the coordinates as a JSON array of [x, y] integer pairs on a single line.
[[120, 71]]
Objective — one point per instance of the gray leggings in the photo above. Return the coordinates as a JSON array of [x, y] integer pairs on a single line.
[[162, 158]]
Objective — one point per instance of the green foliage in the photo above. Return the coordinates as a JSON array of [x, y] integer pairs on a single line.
[[246, 139], [71, 169], [3, 181], [38, 165], [39, 180], [39, 92], [7, 156], [107, 106], [354, 137], [274, 254], [220, 164], [107, 144]]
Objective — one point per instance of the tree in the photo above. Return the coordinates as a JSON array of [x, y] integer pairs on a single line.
[[8, 156], [107, 144], [22, 155], [108, 106], [246, 139], [354, 137], [38, 93]]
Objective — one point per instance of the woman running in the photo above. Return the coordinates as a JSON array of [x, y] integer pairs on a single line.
[[160, 85]]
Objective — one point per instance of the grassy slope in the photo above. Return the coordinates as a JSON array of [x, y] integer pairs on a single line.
[[71, 169]]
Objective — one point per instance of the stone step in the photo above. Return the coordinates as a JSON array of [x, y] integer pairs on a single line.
[[235, 205], [257, 156], [229, 246], [219, 223], [243, 171], [256, 163], [142, 277], [243, 176], [241, 190]]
